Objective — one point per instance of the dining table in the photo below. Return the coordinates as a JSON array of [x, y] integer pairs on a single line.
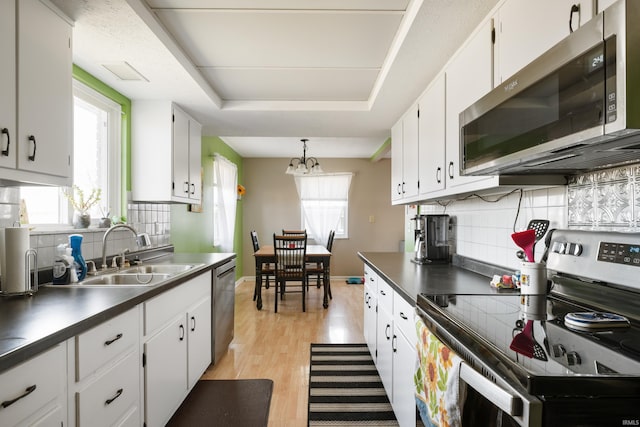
[[314, 253]]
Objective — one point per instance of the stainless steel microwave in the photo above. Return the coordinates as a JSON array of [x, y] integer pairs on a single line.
[[573, 109]]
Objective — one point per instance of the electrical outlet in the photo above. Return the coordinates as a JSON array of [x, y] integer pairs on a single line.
[[372, 219]]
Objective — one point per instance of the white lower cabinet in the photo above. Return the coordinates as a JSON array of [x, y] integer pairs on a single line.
[[394, 345], [384, 350], [199, 340], [370, 309], [34, 392], [177, 346], [100, 378], [113, 396], [104, 378], [404, 362], [165, 377]]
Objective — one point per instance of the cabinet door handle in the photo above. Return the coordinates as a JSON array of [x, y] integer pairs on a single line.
[[111, 341], [451, 170], [117, 395], [575, 8], [394, 343], [5, 131], [386, 331], [186, 187], [439, 175], [403, 316], [181, 332], [382, 292], [193, 189], [32, 157], [403, 188], [193, 323], [399, 192], [26, 393]]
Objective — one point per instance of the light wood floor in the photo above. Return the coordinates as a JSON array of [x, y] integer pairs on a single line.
[[276, 345]]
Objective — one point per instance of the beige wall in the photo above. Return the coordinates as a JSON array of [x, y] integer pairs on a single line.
[[272, 203]]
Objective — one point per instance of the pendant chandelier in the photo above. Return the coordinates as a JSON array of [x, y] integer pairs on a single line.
[[304, 164]]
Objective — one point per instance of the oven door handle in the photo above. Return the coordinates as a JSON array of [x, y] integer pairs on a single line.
[[510, 404]]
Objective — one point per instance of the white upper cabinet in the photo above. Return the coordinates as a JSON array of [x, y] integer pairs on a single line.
[[165, 153], [36, 107], [526, 29], [431, 137], [410, 153], [8, 85], [404, 157], [468, 78], [603, 4], [396, 161]]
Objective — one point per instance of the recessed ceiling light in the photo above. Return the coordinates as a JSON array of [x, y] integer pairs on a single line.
[[124, 71]]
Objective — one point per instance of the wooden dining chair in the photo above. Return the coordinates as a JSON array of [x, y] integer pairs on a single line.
[[293, 232], [266, 270], [290, 251], [316, 269]]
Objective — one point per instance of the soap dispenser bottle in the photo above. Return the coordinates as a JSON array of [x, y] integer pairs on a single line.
[[75, 241]]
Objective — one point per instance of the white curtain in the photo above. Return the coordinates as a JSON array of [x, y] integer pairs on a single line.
[[225, 200], [323, 199]]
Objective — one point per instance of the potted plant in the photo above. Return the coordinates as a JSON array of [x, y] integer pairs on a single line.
[[82, 204]]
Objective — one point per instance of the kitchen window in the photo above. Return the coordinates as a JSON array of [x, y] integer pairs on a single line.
[[225, 185], [324, 205], [96, 161]]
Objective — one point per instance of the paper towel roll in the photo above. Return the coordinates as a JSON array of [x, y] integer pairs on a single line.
[[16, 244]]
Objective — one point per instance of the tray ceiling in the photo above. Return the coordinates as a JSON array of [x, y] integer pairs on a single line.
[[340, 71]]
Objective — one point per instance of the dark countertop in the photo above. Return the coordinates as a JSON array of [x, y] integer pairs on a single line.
[[410, 279], [30, 325]]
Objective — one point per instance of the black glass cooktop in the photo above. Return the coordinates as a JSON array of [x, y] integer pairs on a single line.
[[530, 331]]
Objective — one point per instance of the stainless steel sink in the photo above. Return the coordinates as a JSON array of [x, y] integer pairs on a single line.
[[124, 279], [140, 275], [171, 269]]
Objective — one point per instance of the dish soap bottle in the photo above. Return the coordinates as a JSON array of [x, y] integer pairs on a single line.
[[75, 241]]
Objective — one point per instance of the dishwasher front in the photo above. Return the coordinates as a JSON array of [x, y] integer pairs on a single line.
[[222, 310]]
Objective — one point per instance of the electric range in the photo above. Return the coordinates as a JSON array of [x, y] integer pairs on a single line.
[[567, 357]]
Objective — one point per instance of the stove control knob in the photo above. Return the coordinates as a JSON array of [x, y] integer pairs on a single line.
[[574, 249], [558, 247], [558, 350], [573, 358]]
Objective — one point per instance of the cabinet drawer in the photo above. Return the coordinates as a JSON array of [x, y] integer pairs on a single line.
[[403, 314], [370, 279], [39, 380], [131, 419], [385, 296], [162, 309], [104, 342], [108, 398]]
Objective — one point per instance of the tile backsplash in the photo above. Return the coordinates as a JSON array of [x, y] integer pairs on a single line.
[[607, 199], [153, 219]]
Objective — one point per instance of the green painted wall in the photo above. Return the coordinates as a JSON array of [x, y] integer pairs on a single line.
[[125, 103], [193, 231]]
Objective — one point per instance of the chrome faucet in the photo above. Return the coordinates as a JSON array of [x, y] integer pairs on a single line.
[[104, 241]]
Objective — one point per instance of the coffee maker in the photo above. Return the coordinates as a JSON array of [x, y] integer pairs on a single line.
[[431, 239]]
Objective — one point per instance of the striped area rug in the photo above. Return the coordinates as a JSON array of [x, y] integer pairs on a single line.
[[345, 389]]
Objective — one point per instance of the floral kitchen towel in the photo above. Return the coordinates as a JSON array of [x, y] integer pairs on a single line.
[[439, 393]]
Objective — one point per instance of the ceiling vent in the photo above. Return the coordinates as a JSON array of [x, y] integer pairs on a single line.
[[124, 71]]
